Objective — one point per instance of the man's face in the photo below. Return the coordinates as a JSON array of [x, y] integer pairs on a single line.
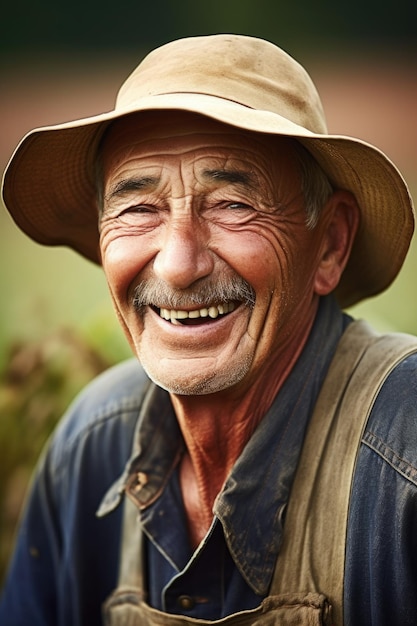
[[205, 249]]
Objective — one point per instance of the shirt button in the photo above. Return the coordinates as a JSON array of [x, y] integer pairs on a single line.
[[186, 602]]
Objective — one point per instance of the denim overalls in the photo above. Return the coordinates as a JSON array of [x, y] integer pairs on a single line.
[[307, 587]]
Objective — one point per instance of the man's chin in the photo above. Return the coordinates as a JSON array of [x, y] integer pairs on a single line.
[[200, 385]]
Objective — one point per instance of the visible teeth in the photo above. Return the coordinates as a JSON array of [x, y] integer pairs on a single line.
[[172, 315]]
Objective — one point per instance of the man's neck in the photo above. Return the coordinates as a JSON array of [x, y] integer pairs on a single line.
[[216, 428]]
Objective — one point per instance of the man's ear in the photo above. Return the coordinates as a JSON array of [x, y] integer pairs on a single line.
[[340, 223]]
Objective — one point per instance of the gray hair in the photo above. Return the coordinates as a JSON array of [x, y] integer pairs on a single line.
[[315, 184]]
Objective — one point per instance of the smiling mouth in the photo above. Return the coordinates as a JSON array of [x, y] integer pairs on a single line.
[[197, 316]]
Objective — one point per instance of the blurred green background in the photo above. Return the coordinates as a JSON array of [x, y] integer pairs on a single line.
[[61, 62]]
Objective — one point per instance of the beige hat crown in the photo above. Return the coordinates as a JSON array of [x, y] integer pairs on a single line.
[[249, 71], [248, 83]]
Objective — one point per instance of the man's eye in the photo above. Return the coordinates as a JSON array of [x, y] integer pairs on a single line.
[[141, 214], [239, 205], [230, 213], [139, 209]]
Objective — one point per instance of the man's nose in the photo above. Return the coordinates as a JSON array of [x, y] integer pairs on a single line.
[[183, 255]]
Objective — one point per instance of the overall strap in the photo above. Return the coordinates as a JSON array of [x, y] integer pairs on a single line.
[[312, 556], [131, 558]]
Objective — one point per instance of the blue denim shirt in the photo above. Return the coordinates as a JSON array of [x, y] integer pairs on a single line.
[[66, 558]]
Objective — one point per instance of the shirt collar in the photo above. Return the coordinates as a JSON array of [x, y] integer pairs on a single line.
[[263, 474], [157, 446]]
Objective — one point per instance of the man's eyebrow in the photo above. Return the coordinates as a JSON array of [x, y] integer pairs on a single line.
[[133, 184], [240, 177]]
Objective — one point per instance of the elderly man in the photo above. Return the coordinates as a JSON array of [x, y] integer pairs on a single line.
[[259, 466]]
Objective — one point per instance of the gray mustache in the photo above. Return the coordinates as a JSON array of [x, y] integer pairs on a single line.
[[157, 293]]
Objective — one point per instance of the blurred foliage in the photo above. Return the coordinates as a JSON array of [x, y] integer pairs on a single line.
[[37, 383]]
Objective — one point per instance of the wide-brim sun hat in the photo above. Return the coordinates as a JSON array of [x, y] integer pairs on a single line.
[[49, 186]]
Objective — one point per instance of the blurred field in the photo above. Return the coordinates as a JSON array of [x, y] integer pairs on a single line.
[[57, 328]]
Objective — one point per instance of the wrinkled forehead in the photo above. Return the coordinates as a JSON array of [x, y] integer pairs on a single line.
[[155, 133]]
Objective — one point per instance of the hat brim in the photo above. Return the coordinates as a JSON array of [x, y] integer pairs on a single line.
[[49, 186]]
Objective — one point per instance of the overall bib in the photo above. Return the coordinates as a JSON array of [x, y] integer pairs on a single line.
[[307, 586]]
